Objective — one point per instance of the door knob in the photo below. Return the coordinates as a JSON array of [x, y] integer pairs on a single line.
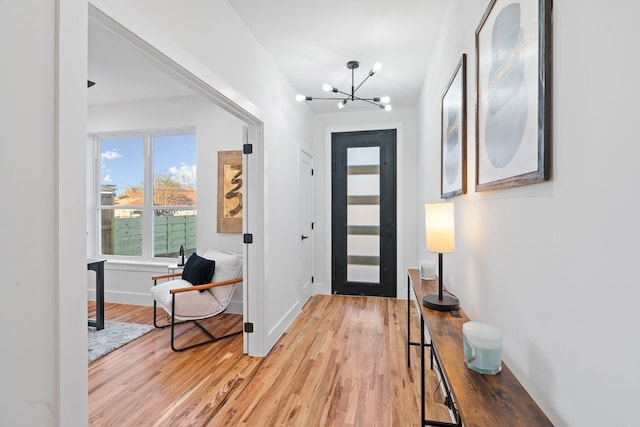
[[304, 237]]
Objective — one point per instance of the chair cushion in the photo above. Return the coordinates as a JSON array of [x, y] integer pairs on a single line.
[[228, 266], [198, 270], [189, 305]]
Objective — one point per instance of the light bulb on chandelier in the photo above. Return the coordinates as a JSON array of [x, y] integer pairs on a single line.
[[381, 102]]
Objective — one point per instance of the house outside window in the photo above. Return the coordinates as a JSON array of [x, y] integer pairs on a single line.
[[147, 205]]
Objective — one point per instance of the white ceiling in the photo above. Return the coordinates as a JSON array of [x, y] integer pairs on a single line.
[[124, 74], [311, 42]]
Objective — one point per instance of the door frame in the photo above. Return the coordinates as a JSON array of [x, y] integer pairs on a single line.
[[325, 288]]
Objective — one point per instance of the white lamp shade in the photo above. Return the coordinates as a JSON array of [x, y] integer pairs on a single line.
[[440, 229]]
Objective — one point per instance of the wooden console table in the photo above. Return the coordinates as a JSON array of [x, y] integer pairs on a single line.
[[474, 399]]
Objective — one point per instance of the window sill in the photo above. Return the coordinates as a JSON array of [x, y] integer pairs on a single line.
[[138, 265]]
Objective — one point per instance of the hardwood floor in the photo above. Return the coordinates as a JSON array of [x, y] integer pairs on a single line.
[[342, 363]]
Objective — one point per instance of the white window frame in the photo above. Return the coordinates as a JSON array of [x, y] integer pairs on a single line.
[[148, 208]]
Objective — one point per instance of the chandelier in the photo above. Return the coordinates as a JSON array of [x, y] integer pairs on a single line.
[[381, 102]]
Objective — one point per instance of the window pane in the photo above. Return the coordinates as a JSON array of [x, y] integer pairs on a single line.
[[363, 273], [173, 228], [174, 170], [363, 245], [363, 215], [121, 232], [122, 171], [363, 156], [363, 185]]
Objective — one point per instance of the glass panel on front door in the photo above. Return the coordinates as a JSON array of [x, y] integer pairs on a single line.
[[363, 214]]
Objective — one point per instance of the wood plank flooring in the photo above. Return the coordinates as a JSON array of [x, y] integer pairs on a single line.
[[342, 363]]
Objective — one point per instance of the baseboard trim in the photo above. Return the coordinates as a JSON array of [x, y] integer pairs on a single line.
[[234, 307], [321, 289], [134, 298], [282, 325]]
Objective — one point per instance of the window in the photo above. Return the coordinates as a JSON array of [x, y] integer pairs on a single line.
[[148, 194]]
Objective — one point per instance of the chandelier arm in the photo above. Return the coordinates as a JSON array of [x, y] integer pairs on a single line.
[[344, 93], [372, 102], [313, 98], [357, 98], [365, 79]]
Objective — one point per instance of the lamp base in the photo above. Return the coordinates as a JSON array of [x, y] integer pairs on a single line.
[[447, 303]]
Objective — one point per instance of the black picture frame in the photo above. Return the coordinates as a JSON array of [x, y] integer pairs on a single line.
[[513, 98], [453, 135]]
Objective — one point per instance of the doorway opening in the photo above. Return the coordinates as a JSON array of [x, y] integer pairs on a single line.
[[253, 227]]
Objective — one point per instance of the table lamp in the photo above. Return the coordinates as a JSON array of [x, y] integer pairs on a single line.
[[441, 238]]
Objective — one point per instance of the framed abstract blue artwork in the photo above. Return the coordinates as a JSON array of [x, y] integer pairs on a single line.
[[453, 154], [513, 105]]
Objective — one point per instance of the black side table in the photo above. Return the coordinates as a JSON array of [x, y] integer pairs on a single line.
[[97, 265]]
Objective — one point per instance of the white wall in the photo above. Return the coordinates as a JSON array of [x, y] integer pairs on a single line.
[[42, 115], [216, 130], [209, 37], [552, 264], [404, 120]]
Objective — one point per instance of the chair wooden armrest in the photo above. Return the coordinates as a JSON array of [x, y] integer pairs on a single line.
[[205, 286], [166, 276]]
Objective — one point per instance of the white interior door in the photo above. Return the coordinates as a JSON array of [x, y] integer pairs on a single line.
[[305, 197]]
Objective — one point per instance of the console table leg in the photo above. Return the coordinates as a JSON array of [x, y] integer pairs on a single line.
[[408, 321], [422, 385]]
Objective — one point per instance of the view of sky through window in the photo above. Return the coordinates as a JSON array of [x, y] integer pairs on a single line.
[[122, 160], [175, 156]]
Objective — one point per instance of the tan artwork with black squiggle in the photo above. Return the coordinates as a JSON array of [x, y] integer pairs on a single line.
[[233, 191]]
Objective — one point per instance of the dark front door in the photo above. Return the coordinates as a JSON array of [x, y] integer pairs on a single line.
[[364, 213]]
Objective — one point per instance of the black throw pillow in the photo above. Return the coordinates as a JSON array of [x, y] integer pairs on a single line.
[[198, 270]]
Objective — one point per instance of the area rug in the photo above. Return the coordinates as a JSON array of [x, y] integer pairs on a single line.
[[114, 335]]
